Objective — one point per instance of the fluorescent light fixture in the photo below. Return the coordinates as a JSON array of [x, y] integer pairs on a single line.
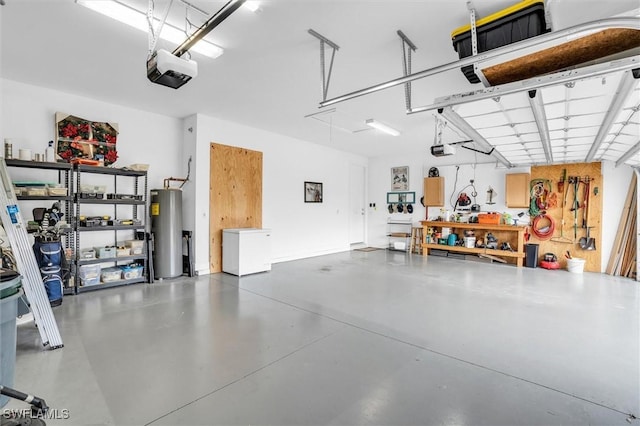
[[382, 127], [537, 107], [253, 6], [472, 133], [138, 20]]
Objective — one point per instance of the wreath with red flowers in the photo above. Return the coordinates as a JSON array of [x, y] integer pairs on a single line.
[[83, 139]]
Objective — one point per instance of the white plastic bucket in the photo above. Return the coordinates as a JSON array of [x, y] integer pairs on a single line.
[[575, 265], [469, 242]]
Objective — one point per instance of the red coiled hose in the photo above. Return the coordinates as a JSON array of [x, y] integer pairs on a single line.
[[546, 232]]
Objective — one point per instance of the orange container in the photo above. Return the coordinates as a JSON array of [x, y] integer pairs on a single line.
[[489, 218]]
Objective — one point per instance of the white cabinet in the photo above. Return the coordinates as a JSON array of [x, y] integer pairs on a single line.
[[246, 250]]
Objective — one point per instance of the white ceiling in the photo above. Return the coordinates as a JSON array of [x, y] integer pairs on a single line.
[[269, 75]]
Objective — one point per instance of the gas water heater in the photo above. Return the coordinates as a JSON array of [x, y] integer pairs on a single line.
[[166, 226]]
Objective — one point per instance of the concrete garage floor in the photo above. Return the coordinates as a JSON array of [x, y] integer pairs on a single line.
[[347, 339]]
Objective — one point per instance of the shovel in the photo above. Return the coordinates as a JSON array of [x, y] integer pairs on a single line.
[[588, 243]]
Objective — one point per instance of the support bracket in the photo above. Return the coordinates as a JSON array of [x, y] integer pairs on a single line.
[[154, 33], [325, 74], [474, 33], [474, 42], [407, 48]]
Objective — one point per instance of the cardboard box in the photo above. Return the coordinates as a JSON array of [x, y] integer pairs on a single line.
[[136, 246], [123, 251]]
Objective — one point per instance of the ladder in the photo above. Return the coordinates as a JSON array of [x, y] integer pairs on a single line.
[[26, 262]]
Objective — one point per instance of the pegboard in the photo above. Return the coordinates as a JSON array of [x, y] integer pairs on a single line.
[[588, 214]]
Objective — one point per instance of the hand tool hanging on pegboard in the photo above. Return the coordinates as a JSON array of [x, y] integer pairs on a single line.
[[561, 181], [575, 181], [563, 192], [585, 211]]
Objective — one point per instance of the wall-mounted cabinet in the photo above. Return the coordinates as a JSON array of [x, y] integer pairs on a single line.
[[517, 190], [434, 191]]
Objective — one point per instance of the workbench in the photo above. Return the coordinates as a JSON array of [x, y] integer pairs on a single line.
[[512, 234]]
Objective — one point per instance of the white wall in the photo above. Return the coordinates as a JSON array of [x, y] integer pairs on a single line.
[[28, 119], [299, 229], [616, 184], [419, 164]]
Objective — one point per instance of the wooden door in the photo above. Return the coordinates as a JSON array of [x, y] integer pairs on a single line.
[[235, 195]]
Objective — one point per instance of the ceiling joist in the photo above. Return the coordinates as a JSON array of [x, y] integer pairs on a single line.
[[537, 107], [625, 88]]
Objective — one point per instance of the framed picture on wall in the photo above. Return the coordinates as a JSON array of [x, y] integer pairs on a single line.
[[312, 192], [400, 178], [81, 141]]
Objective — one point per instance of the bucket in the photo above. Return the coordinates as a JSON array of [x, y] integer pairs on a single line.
[[469, 242], [9, 294], [451, 239], [575, 265]]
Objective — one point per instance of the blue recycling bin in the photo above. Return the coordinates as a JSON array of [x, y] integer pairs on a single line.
[[10, 283]]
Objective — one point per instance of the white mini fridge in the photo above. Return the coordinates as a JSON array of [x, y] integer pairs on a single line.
[[246, 251]]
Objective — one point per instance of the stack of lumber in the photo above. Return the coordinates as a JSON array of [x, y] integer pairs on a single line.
[[623, 254]]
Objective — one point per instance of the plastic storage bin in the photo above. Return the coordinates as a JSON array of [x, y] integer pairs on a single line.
[[516, 23], [56, 191], [105, 252], [87, 254], [9, 294], [489, 218], [399, 245], [93, 189], [131, 272], [89, 274], [37, 191], [108, 275]]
